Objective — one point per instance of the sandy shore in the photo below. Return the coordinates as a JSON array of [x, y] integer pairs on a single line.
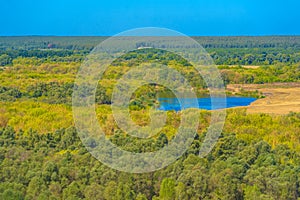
[[281, 98]]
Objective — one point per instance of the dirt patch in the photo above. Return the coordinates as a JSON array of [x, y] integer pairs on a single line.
[[246, 66], [281, 98], [250, 66]]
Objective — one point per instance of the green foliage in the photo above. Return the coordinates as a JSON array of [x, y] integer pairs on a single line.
[[5, 60], [141, 197], [264, 74], [9, 93], [11, 195], [57, 166], [42, 157], [167, 189], [39, 116]]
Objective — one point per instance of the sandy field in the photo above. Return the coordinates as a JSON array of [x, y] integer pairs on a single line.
[[280, 98]]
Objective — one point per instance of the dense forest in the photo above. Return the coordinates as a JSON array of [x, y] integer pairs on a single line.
[[242, 165], [224, 50], [42, 157]]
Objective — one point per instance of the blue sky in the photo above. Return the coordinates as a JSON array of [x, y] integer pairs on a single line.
[[191, 17]]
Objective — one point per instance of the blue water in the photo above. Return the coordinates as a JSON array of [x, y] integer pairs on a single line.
[[204, 103]]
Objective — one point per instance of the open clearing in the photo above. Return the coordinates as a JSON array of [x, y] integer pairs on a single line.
[[247, 66], [281, 98]]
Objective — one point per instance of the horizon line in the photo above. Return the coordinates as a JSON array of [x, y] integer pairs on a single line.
[[271, 35]]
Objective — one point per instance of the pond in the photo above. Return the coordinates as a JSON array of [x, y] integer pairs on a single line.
[[204, 103]]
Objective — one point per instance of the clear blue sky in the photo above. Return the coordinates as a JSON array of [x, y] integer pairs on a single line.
[[109, 17]]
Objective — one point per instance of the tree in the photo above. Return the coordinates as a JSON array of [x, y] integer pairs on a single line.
[[10, 194], [124, 192], [167, 189], [110, 192], [5, 60], [181, 192], [94, 192], [162, 140], [48, 170], [252, 192], [35, 187], [73, 191], [141, 196]]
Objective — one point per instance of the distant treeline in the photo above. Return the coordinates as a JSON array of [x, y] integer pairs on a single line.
[[87, 43], [264, 50]]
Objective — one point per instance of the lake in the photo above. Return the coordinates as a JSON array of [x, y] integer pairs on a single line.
[[204, 103]]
